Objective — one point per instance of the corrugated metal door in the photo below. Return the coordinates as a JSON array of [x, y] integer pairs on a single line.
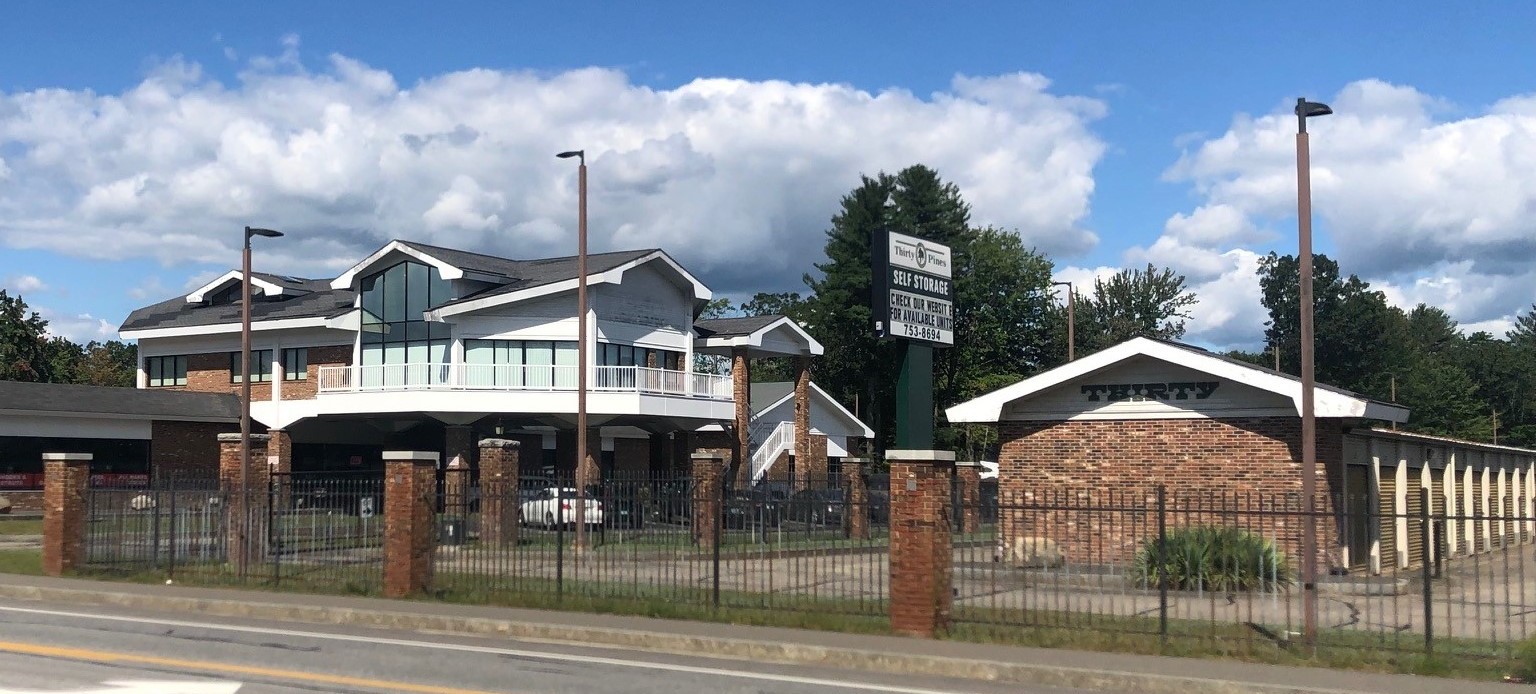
[[1437, 511], [1415, 506], [1357, 512], [1479, 512], [1388, 517]]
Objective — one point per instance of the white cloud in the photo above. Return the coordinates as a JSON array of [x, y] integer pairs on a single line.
[[25, 284], [1427, 208], [737, 178], [80, 327], [151, 288]]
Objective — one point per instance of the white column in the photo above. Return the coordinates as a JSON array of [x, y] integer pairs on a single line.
[[1469, 528], [1487, 479], [1530, 498], [1452, 502], [1503, 513], [1400, 465], [278, 374], [1374, 458], [141, 377]]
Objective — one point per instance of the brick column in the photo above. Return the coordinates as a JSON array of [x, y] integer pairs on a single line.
[[245, 509], [814, 468], [457, 450], [856, 520], [410, 483], [708, 474], [968, 477], [279, 466], [741, 393], [802, 421], [498, 491], [65, 476], [921, 549]]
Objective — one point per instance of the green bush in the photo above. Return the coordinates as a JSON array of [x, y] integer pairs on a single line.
[[1525, 660], [1217, 558]]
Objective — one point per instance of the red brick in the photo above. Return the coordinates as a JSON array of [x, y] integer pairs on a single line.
[[65, 476], [410, 487]]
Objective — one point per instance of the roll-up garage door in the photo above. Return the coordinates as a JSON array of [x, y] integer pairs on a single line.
[[1479, 512], [1388, 518], [1437, 511], [1415, 506]]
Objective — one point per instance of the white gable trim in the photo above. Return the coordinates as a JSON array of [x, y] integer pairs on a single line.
[[1327, 403], [837, 408], [613, 276], [756, 338], [256, 326], [345, 280], [233, 276]]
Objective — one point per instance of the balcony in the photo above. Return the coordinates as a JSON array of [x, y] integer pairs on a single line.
[[520, 378]]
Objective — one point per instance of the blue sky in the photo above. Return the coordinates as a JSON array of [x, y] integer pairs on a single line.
[[1171, 112]]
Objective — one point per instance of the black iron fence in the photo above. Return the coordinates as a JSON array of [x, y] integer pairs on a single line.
[[1225, 569]]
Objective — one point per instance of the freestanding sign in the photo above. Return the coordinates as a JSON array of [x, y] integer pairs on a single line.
[[913, 297], [914, 291]]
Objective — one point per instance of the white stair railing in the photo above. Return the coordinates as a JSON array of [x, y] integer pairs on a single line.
[[783, 437]]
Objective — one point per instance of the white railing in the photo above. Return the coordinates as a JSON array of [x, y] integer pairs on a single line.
[[508, 377], [783, 437]]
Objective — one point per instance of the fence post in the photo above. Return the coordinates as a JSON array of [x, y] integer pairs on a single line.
[[857, 518], [240, 527], [170, 554], [65, 476], [922, 557], [559, 540], [498, 491], [410, 486], [1424, 545], [274, 533], [1162, 566], [719, 521], [968, 512], [708, 469]]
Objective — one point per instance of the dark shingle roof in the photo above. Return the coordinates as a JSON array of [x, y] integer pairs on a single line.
[[527, 274], [177, 313], [764, 395], [143, 404], [734, 327]]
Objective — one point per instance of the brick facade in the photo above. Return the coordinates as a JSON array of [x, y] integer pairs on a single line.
[[208, 372], [1246, 463], [856, 488], [968, 478], [499, 503], [186, 448], [708, 474], [330, 355], [922, 555], [65, 476], [741, 389], [631, 455], [410, 488], [246, 512]]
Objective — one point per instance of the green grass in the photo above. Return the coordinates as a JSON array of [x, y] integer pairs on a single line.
[[21, 561], [21, 526]]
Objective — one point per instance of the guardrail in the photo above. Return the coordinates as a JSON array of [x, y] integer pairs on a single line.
[[520, 377]]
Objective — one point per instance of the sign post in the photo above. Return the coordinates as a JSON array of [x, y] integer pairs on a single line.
[[913, 296]]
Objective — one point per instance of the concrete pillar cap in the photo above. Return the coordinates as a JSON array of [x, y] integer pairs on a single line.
[[67, 456], [704, 455], [856, 460], [921, 455], [235, 438], [967, 463], [391, 456], [500, 443]]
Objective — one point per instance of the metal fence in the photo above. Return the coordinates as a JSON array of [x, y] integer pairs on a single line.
[[305, 530], [1171, 567]]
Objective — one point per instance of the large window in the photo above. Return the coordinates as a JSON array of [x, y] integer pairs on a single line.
[[520, 363], [166, 371], [296, 364], [261, 366], [630, 355], [399, 347]]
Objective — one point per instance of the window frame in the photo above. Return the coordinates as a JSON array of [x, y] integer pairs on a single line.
[[295, 369], [177, 377], [260, 357]]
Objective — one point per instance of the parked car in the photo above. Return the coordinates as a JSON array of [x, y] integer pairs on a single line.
[[817, 507], [752, 509], [552, 506]]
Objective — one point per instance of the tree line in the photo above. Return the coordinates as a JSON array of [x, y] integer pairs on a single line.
[[29, 353]]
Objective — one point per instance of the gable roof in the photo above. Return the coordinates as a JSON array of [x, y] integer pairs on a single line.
[[268, 284], [764, 396], [1328, 401], [754, 333], [528, 275], [314, 307], [133, 403]]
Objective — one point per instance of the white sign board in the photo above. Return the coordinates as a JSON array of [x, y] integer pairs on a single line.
[[365, 507], [914, 291]]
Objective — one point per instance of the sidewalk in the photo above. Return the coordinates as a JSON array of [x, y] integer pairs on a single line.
[[1040, 667]]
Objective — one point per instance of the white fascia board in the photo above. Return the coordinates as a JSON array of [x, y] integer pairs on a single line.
[[267, 288], [700, 292], [755, 339], [345, 280], [440, 313], [191, 331], [838, 408]]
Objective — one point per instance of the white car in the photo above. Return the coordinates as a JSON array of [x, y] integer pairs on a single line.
[[551, 506]]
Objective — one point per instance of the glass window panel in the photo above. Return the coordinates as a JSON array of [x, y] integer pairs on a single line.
[[565, 356], [415, 331], [416, 291], [438, 331], [156, 367], [394, 294], [181, 371], [437, 355], [394, 332], [479, 352], [441, 289], [539, 352], [626, 355], [373, 299], [394, 365]]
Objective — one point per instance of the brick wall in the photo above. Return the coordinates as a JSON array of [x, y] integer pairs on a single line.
[[209, 373], [1206, 464], [331, 355], [185, 448], [632, 455]]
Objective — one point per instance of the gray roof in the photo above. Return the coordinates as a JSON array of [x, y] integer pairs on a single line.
[[136, 402], [764, 395], [734, 327], [316, 299]]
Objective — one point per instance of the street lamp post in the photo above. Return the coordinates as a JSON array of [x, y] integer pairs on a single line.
[[581, 346], [245, 391], [1071, 320], [1304, 110]]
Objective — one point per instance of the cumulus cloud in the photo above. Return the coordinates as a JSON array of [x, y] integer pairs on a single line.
[[1427, 207], [77, 327], [737, 178], [25, 284]]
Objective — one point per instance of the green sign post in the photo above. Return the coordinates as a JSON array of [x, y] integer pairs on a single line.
[[913, 296]]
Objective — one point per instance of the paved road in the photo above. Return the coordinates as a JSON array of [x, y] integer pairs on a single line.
[[46, 649]]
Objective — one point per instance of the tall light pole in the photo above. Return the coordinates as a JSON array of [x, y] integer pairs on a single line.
[[1071, 320], [1304, 110], [245, 391], [581, 346]]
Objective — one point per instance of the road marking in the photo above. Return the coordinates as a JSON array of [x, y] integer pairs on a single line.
[[142, 687], [94, 656], [491, 650]]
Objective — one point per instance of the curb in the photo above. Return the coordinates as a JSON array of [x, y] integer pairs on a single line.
[[672, 644]]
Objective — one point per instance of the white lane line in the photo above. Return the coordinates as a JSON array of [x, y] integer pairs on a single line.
[[582, 659]]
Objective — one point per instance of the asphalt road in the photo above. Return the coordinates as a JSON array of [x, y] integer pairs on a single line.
[[46, 648]]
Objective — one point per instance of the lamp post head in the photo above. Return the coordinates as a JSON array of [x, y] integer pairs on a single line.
[[256, 231], [1309, 109], [580, 154]]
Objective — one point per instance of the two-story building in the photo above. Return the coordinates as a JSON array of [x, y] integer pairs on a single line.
[[431, 348]]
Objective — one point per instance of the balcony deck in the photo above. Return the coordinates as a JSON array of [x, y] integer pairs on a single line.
[[520, 378]]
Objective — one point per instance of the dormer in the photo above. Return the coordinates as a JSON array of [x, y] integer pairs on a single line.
[[450, 264], [226, 288]]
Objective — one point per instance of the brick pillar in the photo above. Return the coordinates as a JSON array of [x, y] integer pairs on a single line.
[[410, 483], [814, 469], [499, 504], [245, 509], [457, 450], [802, 421], [65, 476], [280, 466], [741, 393], [857, 489], [921, 549], [968, 477], [708, 473]]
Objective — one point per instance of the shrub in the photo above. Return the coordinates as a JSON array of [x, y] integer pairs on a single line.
[[1525, 660], [1217, 558]]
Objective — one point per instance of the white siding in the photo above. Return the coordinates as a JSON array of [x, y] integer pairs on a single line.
[[1069, 400]]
